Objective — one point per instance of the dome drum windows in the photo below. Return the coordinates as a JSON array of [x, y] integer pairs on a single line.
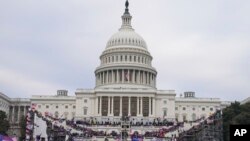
[[135, 41]]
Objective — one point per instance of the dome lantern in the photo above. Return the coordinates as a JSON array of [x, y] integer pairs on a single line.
[[126, 18]]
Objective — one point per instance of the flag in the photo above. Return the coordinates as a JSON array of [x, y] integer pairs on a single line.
[[126, 75]]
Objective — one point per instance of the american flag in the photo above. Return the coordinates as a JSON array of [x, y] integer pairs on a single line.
[[126, 75]]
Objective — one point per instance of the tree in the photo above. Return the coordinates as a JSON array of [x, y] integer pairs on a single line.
[[235, 114], [4, 123]]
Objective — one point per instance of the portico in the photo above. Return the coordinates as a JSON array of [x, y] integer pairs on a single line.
[[125, 106]]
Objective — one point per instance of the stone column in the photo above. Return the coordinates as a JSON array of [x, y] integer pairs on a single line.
[[103, 78], [153, 80], [112, 106], [147, 77], [24, 111], [137, 106], [18, 114], [154, 106], [141, 106], [109, 106], [107, 77], [100, 106], [144, 77], [150, 79], [120, 106], [96, 105], [149, 107], [129, 106], [13, 113]]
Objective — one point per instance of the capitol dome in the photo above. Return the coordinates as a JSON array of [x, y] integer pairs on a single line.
[[126, 62], [126, 36]]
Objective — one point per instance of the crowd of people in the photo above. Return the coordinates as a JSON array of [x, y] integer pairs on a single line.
[[84, 127], [132, 121]]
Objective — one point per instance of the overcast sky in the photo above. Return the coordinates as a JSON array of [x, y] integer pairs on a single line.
[[197, 45]]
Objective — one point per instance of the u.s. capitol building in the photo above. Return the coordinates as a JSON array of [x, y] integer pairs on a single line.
[[126, 86]]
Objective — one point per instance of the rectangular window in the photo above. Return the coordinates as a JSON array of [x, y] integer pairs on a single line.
[[164, 112], [85, 110]]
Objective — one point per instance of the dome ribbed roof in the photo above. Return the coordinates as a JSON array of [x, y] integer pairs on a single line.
[[126, 37]]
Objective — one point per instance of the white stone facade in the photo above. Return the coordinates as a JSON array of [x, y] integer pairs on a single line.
[[15, 109], [60, 105], [4, 103]]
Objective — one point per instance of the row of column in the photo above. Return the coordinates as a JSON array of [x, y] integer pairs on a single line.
[[16, 112], [111, 105], [126, 76], [125, 58]]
